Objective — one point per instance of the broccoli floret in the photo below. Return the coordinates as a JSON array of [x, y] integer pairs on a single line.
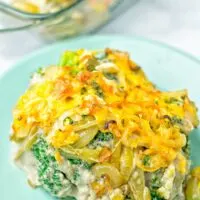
[[187, 148], [156, 180], [111, 76], [146, 160], [155, 184], [97, 88], [173, 100], [69, 58], [76, 175], [103, 136], [76, 161], [101, 139], [68, 120], [176, 120], [50, 177], [91, 64], [40, 71], [155, 195]]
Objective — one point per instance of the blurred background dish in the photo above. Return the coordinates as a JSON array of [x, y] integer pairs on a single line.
[[56, 19], [174, 23], [41, 6]]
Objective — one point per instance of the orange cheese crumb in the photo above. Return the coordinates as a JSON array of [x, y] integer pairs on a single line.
[[105, 154]]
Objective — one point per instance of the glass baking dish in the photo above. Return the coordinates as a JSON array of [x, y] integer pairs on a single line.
[[80, 17]]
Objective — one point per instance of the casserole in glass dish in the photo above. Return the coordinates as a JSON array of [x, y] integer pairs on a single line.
[[55, 19]]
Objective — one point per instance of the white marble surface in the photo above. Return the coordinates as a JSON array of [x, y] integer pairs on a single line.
[[176, 22]]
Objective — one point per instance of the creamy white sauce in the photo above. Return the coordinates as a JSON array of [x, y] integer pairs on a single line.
[[66, 168], [27, 162], [115, 192], [82, 191], [167, 182], [68, 191], [107, 67]]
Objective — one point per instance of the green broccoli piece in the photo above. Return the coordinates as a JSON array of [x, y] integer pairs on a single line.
[[69, 58], [97, 88], [155, 184], [76, 175], [155, 195], [111, 76], [50, 177], [101, 139], [91, 64], [68, 120], [155, 181], [187, 148], [146, 160], [103, 136], [77, 161], [173, 100], [40, 71], [176, 120]]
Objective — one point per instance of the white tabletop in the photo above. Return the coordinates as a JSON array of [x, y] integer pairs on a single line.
[[176, 22]]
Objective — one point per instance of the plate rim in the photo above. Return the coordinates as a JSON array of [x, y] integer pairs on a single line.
[[48, 47], [155, 42]]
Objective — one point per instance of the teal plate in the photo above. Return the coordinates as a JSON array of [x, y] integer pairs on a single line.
[[167, 67]]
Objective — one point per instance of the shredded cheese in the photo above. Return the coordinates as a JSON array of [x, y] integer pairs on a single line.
[[147, 120]]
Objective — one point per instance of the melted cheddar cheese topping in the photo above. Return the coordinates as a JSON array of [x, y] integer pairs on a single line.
[[115, 94]]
